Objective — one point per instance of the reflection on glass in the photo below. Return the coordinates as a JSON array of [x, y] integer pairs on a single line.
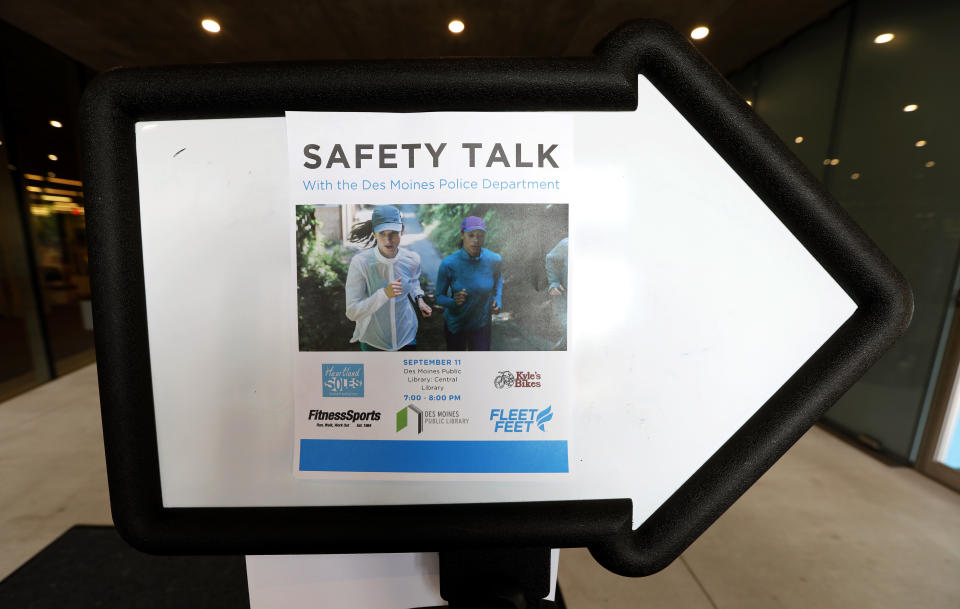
[[58, 225], [23, 362], [841, 91]]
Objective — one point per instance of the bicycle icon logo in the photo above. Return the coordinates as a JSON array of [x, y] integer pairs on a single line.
[[503, 379]]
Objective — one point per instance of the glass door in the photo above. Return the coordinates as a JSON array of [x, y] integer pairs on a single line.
[[940, 452]]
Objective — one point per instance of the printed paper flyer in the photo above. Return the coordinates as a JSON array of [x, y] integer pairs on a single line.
[[431, 257]]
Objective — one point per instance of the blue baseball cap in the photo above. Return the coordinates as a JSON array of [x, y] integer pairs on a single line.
[[387, 217], [472, 223]]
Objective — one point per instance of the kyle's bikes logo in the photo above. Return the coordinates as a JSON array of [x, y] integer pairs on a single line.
[[507, 378], [403, 416], [503, 379]]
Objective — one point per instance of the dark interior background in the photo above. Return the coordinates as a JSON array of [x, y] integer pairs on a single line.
[[811, 70]]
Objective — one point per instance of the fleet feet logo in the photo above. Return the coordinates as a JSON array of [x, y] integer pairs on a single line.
[[543, 416], [402, 417], [520, 419]]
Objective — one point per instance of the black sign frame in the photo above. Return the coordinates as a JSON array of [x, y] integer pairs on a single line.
[[117, 100]]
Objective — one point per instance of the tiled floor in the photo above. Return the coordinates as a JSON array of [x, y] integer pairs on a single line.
[[828, 526], [52, 472]]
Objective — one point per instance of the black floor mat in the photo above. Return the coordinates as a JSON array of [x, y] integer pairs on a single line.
[[93, 567]]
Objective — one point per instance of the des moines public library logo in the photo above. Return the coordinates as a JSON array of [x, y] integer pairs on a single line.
[[518, 379], [403, 416], [342, 380]]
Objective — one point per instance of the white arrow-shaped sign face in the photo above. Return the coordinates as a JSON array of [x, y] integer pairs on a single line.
[[705, 326], [700, 304], [690, 304]]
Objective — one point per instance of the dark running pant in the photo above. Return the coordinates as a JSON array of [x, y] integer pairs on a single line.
[[468, 340]]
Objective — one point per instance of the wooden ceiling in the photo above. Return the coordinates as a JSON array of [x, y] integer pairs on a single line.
[[112, 33]]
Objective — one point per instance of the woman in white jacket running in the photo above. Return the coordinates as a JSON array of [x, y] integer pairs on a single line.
[[381, 285]]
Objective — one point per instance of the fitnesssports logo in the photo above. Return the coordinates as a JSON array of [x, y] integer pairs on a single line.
[[350, 416], [402, 416]]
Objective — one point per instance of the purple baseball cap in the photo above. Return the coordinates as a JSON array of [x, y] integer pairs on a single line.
[[472, 223]]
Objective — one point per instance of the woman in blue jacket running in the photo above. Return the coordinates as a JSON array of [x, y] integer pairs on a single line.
[[470, 289]]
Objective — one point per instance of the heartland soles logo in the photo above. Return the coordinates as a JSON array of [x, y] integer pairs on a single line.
[[520, 378], [343, 418], [343, 380]]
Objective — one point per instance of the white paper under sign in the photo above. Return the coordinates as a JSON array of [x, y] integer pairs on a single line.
[[431, 253]]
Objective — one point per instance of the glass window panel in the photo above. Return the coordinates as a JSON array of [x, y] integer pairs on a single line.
[[23, 362], [905, 203]]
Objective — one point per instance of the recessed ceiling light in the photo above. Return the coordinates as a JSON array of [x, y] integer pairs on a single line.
[[749, 102], [854, 176], [52, 157], [883, 38], [700, 32], [834, 161], [910, 108], [456, 26], [920, 143], [929, 164], [826, 161], [798, 139], [210, 25], [56, 124]]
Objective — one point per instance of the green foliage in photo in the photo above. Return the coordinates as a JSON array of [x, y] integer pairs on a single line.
[[321, 274]]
